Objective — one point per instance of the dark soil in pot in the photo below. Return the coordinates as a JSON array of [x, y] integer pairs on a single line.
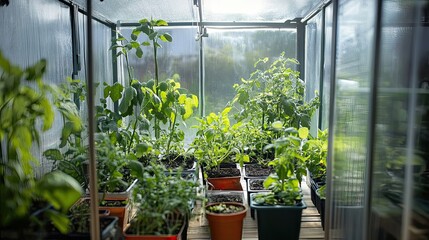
[[225, 198], [174, 161], [256, 184], [223, 172], [256, 170]]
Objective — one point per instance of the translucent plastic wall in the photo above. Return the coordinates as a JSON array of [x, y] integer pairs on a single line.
[[400, 169], [44, 32], [327, 66], [354, 54], [313, 61], [379, 186], [229, 55], [104, 67]]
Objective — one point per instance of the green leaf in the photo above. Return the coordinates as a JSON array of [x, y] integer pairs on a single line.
[[66, 132], [139, 52], [141, 149], [53, 154], [163, 86], [134, 44], [136, 168], [166, 37], [129, 94], [59, 189], [48, 116], [59, 220], [116, 92], [303, 132], [161, 22], [277, 125]]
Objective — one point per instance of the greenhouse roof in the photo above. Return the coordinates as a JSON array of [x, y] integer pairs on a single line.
[[212, 10]]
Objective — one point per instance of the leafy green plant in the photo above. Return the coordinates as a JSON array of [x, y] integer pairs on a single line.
[[289, 166], [274, 93], [24, 102], [160, 101], [316, 151], [224, 208], [215, 141], [163, 200], [113, 163]]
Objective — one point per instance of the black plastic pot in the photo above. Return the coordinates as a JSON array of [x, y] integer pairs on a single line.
[[276, 220], [250, 191], [109, 228]]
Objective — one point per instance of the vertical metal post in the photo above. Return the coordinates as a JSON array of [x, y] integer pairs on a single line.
[[330, 157], [372, 120], [95, 220], [201, 32], [321, 72], [300, 48]]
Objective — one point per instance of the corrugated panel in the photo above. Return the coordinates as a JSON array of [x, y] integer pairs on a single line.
[[353, 78], [313, 46], [44, 32], [256, 10], [134, 10]]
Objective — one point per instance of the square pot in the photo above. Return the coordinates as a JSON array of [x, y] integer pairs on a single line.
[[278, 220]]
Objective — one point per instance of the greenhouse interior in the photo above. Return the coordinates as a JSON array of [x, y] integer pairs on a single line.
[[214, 119]]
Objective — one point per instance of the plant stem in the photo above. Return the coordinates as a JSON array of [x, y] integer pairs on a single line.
[[128, 68], [156, 85], [172, 128]]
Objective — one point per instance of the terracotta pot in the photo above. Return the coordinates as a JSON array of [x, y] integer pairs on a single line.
[[226, 226], [225, 183], [122, 212]]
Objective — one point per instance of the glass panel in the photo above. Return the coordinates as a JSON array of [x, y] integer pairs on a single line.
[[256, 10], [313, 55], [353, 77], [229, 55], [400, 181], [44, 32], [181, 57]]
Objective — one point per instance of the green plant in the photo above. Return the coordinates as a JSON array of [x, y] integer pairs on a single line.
[[160, 101], [22, 106], [215, 141], [274, 93], [163, 200], [113, 162], [224, 208], [316, 151], [289, 166]]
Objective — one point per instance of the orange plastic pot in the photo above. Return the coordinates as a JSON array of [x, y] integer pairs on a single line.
[[226, 226], [225, 183]]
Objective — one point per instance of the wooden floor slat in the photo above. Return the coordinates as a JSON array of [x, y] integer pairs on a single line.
[[311, 228]]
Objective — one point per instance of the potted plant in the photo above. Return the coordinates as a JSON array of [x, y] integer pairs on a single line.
[[28, 200], [225, 220], [316, 150], [160, 101], [279, 211], [80, 224], [214, 145], [163, 205]]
